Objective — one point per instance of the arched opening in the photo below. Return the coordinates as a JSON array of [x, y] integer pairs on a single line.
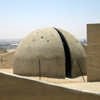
[[67, 54]]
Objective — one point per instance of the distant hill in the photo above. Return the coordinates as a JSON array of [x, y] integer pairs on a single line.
[[9, 43]]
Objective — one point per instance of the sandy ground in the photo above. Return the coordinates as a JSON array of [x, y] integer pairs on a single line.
[[8, 70], [53, 80], [89, 86], [77, 83]]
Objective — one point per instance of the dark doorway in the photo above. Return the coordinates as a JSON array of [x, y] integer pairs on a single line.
[[67, 54]]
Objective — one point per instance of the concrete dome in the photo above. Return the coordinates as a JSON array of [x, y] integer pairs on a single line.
[[50, 52]]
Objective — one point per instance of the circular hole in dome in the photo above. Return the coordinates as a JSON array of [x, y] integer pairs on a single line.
[[42, 37]]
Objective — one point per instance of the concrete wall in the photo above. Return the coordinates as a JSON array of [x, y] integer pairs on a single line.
[[14, 87], [6, 60], [93, 52]]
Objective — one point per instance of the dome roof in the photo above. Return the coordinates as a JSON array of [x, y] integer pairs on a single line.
[[50, 52]]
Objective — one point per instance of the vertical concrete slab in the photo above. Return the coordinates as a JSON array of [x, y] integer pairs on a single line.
[[93, 52]]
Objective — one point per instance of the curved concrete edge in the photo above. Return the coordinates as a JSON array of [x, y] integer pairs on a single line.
[[55, 86], [5, 54]]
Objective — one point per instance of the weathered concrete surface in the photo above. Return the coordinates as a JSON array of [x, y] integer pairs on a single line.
[[41, 50], [93, 50], [42, 53], [14, 87]]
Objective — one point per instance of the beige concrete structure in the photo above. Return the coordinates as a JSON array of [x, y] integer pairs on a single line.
[[50, 52], [6, 59], [2, 51], [93, 49], [14, 87]]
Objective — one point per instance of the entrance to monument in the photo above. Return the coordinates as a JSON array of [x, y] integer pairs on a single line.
[[67, 54]]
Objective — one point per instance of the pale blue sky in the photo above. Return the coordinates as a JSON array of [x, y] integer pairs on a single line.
[[19, 17]]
